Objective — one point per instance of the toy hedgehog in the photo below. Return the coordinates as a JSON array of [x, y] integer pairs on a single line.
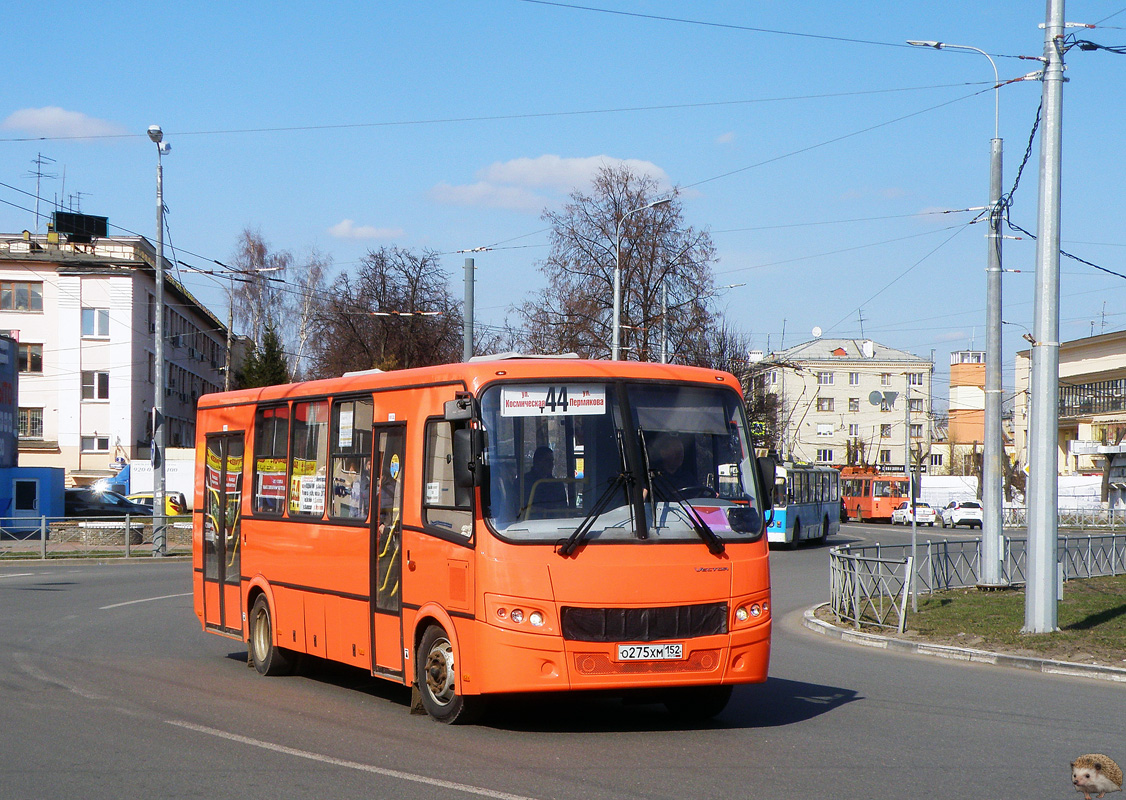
[[1095, 774]]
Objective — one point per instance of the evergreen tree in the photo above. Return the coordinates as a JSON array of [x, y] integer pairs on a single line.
[[267, 367]]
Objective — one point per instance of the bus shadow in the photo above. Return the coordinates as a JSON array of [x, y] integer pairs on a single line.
[[775, 703]]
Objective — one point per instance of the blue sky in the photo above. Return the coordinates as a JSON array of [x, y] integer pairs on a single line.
[[816, 148]]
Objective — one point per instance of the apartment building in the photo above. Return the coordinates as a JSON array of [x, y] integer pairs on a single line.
[[1092, 403], [848, 401], [83, 312]]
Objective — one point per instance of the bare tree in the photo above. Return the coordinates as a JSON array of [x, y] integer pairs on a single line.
[[306, 303], [259, 283], [658, 251], [397, 312]]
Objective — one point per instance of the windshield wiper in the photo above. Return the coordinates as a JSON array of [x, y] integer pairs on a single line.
[[621, 480], [714, 543]]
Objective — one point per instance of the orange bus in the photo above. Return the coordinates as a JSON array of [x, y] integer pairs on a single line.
[[504, 525], [870, 495]]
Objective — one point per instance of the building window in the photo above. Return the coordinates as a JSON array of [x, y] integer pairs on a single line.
[[854, 379], [885, 456], [95, 322], [95, 444], [21, 296], [773, 377], [916, 431], [885, 405], [854, 404], [936, 459], [31, 358], [885, 379], [824, 404], [824, 455], [95, 385], [885, 431], [916, 405], [31, 423], [825, 378], [914, 379], [824, 430], [854, 429]]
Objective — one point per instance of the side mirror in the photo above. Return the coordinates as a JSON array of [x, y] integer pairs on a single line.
[[459, 409], [767, 470], [468, 444]]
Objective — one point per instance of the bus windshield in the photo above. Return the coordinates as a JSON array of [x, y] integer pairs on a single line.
[[564, 455]]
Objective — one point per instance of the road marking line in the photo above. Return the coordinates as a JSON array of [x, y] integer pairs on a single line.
[[18, 575], [145, 600], [338, 762]]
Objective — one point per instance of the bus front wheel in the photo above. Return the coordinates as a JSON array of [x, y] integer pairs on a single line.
[[793, 543], [267, 657], [436, 673]]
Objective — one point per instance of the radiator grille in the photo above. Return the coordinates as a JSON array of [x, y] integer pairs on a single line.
[[643, 624]]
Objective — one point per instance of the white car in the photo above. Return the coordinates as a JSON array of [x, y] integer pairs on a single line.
[[962, 512], [924, 514]]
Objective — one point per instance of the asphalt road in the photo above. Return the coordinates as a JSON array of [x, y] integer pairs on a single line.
[[110, 690]]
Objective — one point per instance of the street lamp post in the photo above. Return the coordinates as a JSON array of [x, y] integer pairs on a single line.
[[993, 475], [159, 540], [616, 347]]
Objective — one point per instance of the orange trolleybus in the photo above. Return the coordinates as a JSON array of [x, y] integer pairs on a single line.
[[503, 525], [869, 495]]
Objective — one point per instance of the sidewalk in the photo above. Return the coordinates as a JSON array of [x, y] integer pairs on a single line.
[[912, 646]]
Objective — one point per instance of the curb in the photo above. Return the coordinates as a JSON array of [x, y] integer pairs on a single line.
[[966, 654]]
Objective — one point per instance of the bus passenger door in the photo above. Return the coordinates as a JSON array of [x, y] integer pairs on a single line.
[[386, 551], [222, 590]]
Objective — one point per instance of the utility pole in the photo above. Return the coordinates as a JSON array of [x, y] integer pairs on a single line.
[[467, 329], [993, 473], [1040, 605], [159, 541]]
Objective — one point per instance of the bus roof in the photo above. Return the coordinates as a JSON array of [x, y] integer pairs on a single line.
[[474, 375]]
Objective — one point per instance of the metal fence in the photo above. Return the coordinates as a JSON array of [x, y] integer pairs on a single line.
[[869, 585], [82, 537], [1084, 517]]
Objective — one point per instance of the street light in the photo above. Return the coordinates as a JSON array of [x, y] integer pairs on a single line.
[[159, 541], [615, 350], [993, 450]]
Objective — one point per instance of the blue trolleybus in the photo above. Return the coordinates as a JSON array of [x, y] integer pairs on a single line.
[[807, 504]]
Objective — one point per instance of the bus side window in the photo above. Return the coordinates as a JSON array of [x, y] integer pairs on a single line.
[[440, 506], [308, 459]]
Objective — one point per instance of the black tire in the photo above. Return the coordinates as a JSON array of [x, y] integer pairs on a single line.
[[436, 673], [824, 530], [697, 703], [267, 657], [793, 543]]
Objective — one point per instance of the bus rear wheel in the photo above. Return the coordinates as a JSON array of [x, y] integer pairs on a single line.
[[436, 673], [697, 703], [267, 657]]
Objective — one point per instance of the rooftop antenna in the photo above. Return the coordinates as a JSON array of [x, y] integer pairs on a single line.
[[860, 311], [40, 161]]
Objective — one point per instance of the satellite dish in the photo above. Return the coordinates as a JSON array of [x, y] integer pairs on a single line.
[[816, 332]]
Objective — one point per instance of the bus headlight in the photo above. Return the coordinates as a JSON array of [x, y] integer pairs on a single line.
[[536, 619], [741, 613], [516, 615]]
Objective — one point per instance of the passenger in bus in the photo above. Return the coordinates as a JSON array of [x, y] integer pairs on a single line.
[[541, 488]]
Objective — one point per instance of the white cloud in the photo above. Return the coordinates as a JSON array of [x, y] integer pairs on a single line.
[[489, 195], [347, 229], [55, 121], [725, 138], [530, 184]]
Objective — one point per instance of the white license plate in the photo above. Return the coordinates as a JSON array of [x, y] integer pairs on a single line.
[[650, 652]]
